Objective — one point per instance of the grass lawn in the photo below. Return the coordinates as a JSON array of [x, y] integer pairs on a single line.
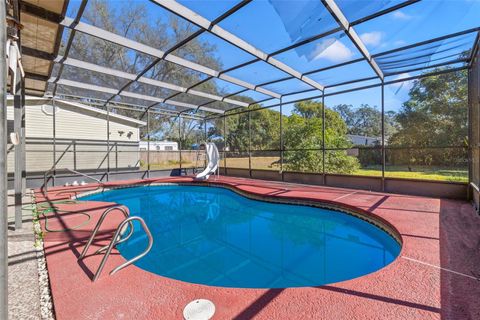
[[270, 163]]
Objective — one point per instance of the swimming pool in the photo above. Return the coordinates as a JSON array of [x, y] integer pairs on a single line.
[[214, 236]]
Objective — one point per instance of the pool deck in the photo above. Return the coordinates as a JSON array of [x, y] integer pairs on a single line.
[[435, 276]]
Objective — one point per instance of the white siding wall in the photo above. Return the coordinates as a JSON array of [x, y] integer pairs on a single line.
[[74, 123]]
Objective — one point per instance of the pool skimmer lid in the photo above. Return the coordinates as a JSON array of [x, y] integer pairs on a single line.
[[199, 309]]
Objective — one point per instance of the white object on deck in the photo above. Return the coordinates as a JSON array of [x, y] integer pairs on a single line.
[[213, 159], [200, 309]]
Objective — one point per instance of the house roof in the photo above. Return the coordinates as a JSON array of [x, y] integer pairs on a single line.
[[81, 108]]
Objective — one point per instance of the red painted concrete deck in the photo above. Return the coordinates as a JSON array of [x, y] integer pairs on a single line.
[[436, 233]]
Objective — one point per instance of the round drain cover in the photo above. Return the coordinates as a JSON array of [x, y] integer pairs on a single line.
[[200, 309]]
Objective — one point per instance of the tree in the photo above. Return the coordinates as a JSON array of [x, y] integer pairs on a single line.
[[366, 120], [264, 126], [436, 115], [303, 133], [128, 20]]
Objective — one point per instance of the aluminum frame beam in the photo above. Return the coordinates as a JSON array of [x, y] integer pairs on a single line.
[[145, 80], [206, 24], [140, 47], [388, 82], [338, 15], [114, 105], [319, 36], [417, 44], [134, 95]]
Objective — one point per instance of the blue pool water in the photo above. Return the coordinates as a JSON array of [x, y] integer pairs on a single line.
[[214, 236]]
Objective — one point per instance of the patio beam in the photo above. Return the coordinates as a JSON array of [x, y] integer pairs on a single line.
[[39, 12], [146, 80], [134, 45], [352, 34], [37, 53], [36, 76], [134, 95], [206, 24]]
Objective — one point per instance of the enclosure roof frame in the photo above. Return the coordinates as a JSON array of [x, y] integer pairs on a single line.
[[212, 27]]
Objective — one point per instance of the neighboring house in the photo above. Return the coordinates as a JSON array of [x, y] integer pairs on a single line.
[[80, 137], [159, 146], [358, 140]]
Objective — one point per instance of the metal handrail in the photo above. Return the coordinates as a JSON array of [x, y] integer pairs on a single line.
[[47, 176], [115, 242], [97, 227]]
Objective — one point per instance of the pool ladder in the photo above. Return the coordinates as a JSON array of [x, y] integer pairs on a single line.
[[117, 239]]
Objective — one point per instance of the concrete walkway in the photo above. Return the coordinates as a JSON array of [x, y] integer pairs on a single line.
[[23, 287]]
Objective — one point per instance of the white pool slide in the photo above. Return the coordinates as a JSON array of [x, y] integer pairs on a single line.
[[213, 159]]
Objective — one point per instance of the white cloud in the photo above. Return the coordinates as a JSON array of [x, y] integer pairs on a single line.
[[372, 38], [403, 85], [399, 42], [401, 15], [335, 52]]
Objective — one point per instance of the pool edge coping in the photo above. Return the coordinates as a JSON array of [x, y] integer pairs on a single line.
[[356, 212]]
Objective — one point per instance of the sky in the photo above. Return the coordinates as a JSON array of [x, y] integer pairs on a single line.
[[271, 25]]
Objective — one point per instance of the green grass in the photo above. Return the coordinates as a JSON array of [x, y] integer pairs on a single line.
[[417, 172]]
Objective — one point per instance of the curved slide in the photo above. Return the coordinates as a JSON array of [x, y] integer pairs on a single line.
[[213, 159]]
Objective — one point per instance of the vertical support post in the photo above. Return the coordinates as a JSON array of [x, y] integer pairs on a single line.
[[19, 150], [148, 143], [225, 144], [23, 141], [75, 155], [470, 133], [281, 136], [108, 143], [206, 138], [54, 133], [250, 143], [3, 168], [180, 141], [383, 137], [205, 127], [323, 139], [116, 155]]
